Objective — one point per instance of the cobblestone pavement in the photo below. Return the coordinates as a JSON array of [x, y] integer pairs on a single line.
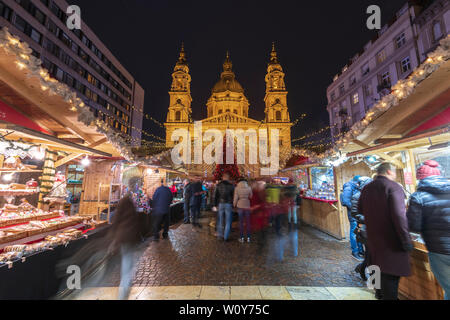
[[193, 256]]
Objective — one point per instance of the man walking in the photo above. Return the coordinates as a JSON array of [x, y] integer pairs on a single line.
[[382, 202], [187, 198], [162, 198], [223, 199], [346, 201]]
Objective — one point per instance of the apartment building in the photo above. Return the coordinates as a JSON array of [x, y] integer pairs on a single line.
[[399, 48], [79, 59]]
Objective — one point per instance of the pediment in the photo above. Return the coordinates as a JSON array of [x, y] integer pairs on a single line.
[[229, 117]]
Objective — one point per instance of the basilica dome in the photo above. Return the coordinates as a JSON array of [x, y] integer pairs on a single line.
[[227, 80]]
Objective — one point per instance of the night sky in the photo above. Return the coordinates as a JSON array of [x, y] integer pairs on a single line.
[[314, 40]]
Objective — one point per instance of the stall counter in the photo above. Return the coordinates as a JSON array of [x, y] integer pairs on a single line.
[[421, 285], [323, 215]]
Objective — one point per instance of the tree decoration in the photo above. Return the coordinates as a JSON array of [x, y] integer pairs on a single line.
[[231, 169]]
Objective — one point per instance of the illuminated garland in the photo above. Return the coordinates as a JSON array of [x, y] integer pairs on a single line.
[[401, 90], [25, 60]]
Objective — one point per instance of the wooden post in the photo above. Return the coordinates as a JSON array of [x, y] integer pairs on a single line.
[[338, 185], [48, 175], [412, 167]]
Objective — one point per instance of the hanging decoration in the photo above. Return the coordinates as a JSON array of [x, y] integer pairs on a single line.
[[25, 60], [400, 91]]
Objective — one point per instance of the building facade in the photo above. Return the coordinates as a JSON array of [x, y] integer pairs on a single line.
[[399, 48], [79, 59], [228, 108]]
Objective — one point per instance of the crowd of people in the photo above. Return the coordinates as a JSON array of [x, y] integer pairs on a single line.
[[380, 224], [257, 204]]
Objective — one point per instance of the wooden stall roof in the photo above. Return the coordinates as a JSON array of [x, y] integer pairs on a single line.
[[23, 93], [427, 138], [430, 97], [16, 132]]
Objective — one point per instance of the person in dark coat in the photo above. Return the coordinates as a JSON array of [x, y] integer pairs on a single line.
[[346, 200], [360, 229], [382, 202], [99, 256], [223, 200], [162, 198], [429, 214]]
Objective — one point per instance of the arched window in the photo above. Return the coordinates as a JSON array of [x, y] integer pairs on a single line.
[[235, 111], [278, 115], [220, 111], [178, 116]]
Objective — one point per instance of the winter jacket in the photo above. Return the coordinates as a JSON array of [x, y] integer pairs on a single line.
[[429, 213], [290, 191], [187, 193], [362, 182], [242, 195], [346, 195], [162, 198], [224, 193], [382, 202]]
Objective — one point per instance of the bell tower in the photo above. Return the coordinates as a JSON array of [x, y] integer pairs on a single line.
[[180, 92], [276, 95]]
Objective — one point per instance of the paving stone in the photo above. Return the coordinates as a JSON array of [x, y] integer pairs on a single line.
[[196, 257], [310, 293]]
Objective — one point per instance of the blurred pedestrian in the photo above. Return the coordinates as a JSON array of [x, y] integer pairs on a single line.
[[259, 213], [429, 214], [187, 198], [242, 195], [223, 200], [291, 192], [195, 202], [162, 198], [382, 202], [119, 246]]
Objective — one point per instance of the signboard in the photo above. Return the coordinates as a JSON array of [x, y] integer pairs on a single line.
[[408, 177]]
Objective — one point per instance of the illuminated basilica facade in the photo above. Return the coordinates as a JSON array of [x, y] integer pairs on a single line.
[[228, 107]]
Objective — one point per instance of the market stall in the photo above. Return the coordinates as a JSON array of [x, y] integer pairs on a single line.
[[407, 127], [44, 129], [319, 208]]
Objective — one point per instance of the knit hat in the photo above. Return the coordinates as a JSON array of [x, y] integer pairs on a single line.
[[429, 168]]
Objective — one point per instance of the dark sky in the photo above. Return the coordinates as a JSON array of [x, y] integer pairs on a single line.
[[314, 40]]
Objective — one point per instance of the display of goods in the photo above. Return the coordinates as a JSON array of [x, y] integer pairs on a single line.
[[15, 248], [32, 184]]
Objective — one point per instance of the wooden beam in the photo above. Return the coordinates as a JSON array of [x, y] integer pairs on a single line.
[[54, 111], [64, 160], [382, 155]]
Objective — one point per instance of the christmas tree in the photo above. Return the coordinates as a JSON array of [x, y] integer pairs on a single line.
[[231, 169]]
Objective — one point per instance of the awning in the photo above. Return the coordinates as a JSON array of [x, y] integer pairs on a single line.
[[16, 132], [431, 137]]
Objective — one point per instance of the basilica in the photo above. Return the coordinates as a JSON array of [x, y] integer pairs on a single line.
[[228, 108]]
